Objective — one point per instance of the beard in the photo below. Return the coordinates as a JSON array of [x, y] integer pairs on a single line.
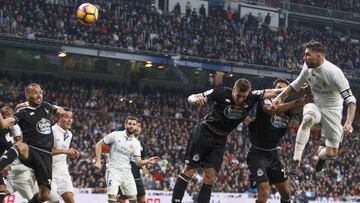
[[130, 130]]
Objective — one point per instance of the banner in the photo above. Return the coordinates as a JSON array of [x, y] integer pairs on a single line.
[[157, 196]]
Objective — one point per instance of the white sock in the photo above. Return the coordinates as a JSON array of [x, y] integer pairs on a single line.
[[303, 134]]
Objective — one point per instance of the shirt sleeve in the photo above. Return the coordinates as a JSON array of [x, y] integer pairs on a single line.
[[342, 85], [15, 131], [56, 139], [257, 95], [300, 80], [137, 150], [110, 138], [51, 107], [213, 94], [19, 116]]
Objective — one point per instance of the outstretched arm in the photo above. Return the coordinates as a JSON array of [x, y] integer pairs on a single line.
[[140, 162]]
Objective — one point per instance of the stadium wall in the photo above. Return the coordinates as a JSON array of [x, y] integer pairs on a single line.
[[156, 196]]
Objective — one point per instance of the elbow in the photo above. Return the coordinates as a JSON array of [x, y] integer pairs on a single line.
[[191, 99]]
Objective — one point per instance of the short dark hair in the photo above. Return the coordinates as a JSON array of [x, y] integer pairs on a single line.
[[131, 118], [280, 80], [5, 109], [242, 85], [316, 46], [27, 88]]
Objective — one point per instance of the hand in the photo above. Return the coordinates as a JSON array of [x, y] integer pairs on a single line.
[[277, 101], [348, 129], [154, 160], [201, 100], [73, 153], [97, 166]]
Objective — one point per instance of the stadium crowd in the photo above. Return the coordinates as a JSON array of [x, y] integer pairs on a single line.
[[167, 119], [221, 35], [345, 5]]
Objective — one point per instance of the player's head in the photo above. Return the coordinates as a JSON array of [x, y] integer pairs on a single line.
[[65, 120], [280, 83], [138, 130], [6, 112], [131, 124], [34, 94], [314, 54], [241, 90]]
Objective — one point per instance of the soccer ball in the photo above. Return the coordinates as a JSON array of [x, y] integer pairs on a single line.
[[87, 14], [105, 148]]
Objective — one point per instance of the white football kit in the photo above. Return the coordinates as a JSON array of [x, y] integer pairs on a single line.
[[118, 173], [20, 176], [61, 179], [329, 88]]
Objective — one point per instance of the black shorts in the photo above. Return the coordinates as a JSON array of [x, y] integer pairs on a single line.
[[41, 163], [265, 166], [205, 149], [140, 187]]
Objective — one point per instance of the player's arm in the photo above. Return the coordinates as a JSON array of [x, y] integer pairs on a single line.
[[141, 162], [71, 152], [98, 148], [271, 93], [295, 86], [204, 97], [6, 123], [16, 133], [344, 88], [295, 106]]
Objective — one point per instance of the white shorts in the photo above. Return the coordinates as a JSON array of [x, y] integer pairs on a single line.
[[330, 119], [25, 188], [61, 183], [123, 180]]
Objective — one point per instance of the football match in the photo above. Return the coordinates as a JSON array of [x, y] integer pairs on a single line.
[[179, 101]]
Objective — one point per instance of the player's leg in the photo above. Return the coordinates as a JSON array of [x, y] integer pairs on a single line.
[[65, 188], [333, 132], [19, 149], [140, 191], [2, 188], [256, 161], [25, 189], [284, 191], [54, 196], [213, 154], [277, 175], [192, 162], [311, 116], [41, 163], [128, 187], [112, 185]]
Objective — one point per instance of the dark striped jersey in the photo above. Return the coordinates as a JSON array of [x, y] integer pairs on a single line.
[[225, 115], [35, 125]]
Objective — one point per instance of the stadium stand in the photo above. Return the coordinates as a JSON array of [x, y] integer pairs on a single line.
[[167, 117]]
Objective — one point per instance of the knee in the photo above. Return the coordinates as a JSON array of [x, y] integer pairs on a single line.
[[308, 121], [44, 193], [189, 171], [286, 195], [209, 177], [23, 148], [264, 191]]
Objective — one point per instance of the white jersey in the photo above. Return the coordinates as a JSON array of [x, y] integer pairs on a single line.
[[122, 150], [62, 139], [327, 83]]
